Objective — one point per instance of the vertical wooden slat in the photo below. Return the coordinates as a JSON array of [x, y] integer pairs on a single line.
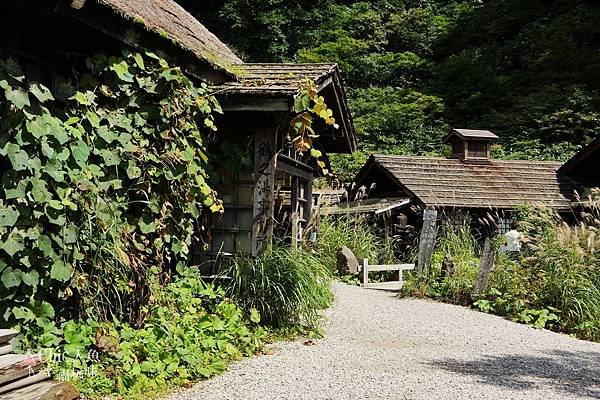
[[264, 170], [365, 272], [295, 211], [485, 268]]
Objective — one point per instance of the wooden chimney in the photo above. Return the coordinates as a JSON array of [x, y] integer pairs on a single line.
[[471, 145]]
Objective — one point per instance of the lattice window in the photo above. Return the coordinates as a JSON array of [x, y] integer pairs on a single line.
[[504, 225]]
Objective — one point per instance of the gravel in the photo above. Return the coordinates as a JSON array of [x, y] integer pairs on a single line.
[[378, 346]]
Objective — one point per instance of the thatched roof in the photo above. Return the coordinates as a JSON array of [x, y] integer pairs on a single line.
[[277, 79], [166, 18], [500, 184]]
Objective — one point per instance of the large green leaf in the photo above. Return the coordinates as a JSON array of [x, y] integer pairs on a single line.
[[61, 271], [8, 215], [18, 97], [80, 152], [40, 92], [10, 277], [13, 243]]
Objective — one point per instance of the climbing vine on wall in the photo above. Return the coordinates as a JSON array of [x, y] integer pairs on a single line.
[[309, 106], [91, 202]]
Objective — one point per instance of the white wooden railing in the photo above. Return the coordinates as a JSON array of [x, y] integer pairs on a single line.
[[365, 268]]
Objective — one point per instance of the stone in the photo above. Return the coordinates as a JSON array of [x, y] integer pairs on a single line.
[[347, 263]]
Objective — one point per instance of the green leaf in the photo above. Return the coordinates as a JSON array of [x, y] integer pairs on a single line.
[[315, 153], [13, 243], [147, 227], [31, 278], [133, 171], [42, 93], [81, 99], [18, 97], [19, 159], [61, 271], [93, 118], [254, 315], [11, 277], [8, 215], [122, 71], [80, 152], [110, 158], [139, 60]]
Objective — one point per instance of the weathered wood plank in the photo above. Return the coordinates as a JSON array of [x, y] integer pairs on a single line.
[[5, 349], [391, 267], [24, 382], [47, 390], [17, 366], [264, 170], [427, 240], [485, 268], [6, 335]]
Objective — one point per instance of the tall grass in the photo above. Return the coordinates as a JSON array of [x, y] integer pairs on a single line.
[[357, 234], [554, 284], [288, 288]]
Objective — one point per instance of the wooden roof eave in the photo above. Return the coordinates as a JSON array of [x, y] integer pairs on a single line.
[[373, 163]]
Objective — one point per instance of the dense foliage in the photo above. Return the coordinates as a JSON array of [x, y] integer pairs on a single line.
[[554, 284], [527, 71], [192, 332], [98, 190]]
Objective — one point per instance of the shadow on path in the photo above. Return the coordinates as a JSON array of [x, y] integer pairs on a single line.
[[574, 372]]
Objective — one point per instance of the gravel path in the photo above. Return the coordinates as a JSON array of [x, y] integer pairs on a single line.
[[380, 347]]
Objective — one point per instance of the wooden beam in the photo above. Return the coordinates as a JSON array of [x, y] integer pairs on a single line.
[[254, 103], [6, 335], [46, 390], [293, 167]]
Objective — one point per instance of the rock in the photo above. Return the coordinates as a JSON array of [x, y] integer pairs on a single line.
[[347, 263]]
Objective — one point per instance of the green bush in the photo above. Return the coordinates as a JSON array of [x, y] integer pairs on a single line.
[[288, 288], [191, 331]]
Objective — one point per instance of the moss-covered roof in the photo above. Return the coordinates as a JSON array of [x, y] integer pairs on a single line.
[[169, 20]]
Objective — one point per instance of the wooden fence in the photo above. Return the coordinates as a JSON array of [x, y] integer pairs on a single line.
[[365, 268]]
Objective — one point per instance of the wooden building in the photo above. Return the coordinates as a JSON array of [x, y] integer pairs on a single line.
[[274, 194], [51, 40], [468, 181], [584, 166]]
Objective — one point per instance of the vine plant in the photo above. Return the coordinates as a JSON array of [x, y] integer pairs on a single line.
[[93, 202], [308, 106]]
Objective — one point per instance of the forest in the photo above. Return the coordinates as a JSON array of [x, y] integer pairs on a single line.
[[527, 70]]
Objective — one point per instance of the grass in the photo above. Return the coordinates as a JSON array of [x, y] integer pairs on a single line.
[[288, 288], [357, 234], [554, 284]]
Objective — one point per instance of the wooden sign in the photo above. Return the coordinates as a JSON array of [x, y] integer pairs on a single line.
[[264, 156], [485, 268]]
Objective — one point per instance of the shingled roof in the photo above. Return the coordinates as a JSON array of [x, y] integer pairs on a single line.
[[165, 17], [280, 79], [502, 184]]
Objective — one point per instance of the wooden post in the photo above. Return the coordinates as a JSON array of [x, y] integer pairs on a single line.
[[427, 241], [365, 272], [485, 268], [264, 178]]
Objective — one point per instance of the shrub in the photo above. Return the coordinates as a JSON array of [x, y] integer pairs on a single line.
[[192, 330], [287, 287]]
